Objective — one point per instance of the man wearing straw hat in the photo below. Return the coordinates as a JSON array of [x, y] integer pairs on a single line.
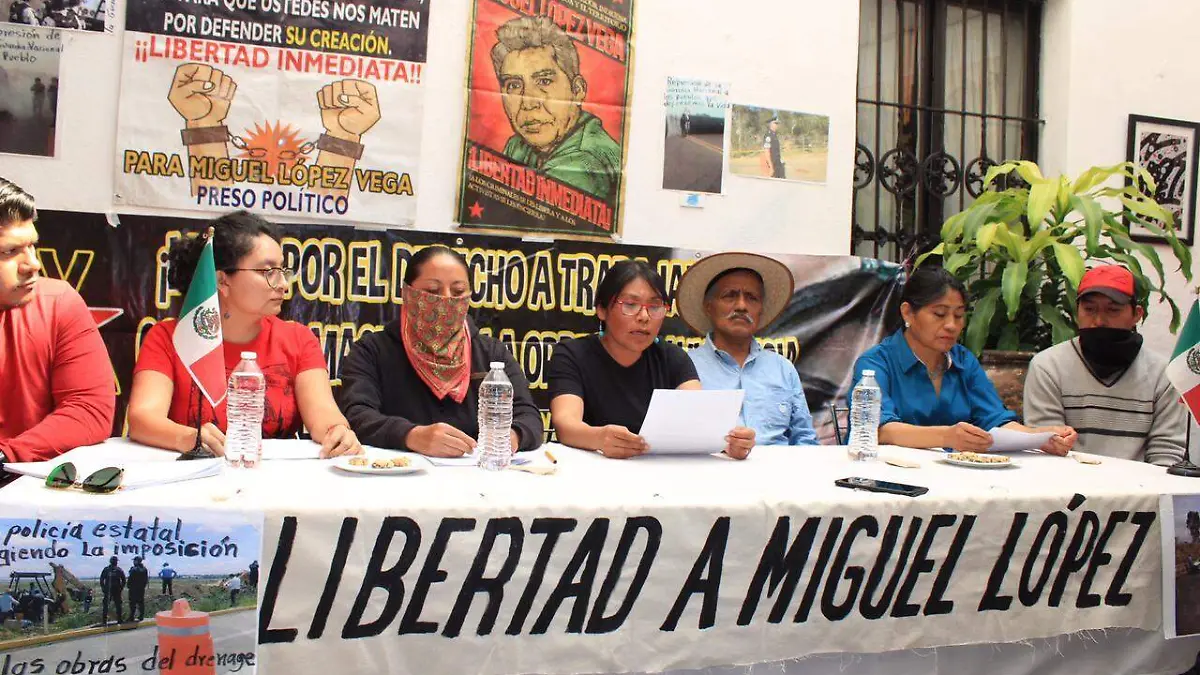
[[728, 297]]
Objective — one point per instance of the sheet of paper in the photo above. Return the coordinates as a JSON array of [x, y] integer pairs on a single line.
[[690, 422], [1012, 440]]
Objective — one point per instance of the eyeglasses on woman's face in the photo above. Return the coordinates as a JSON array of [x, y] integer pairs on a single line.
[[655, 309], [277, 277]]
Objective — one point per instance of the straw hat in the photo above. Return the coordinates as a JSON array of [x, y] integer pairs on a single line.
[[778, 286]]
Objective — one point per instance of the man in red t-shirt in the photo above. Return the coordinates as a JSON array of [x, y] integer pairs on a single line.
[[56, 378]]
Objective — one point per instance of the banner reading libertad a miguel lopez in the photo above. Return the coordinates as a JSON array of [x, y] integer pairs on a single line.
[[284, 107], [530, 295], [548, 93]]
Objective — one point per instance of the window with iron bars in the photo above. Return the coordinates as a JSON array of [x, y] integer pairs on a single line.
[[946, 89]]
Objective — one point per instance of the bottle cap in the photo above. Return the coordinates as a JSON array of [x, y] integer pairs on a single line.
[[868, 373], [249, 356], [497, 364]]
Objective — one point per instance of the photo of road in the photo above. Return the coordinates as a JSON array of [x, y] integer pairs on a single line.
[[233, 636], [694, 135], [693, 163]]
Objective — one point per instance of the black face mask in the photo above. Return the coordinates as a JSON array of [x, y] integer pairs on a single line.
[[1109, 351]]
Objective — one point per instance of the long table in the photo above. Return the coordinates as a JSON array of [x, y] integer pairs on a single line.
[[675, 563]]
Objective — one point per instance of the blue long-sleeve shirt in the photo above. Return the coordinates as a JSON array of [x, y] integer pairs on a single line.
[[967, 394], [774, 405]]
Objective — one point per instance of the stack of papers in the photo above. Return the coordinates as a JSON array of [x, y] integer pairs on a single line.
[[470, 460], [137, 474]]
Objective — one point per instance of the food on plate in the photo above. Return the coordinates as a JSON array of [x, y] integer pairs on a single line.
[[394, 463], [978, 458]]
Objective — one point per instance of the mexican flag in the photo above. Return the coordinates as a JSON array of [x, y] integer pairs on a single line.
[[1184, 369], [197, 338]]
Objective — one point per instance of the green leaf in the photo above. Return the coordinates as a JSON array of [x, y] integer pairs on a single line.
[[1093, 220], [1010, 338], [1030, 172], [953, 227], [957, 260], [1070, 262], [985, 237], [1146, 252], [997, 171], [1063, 203], [976, 217], [1150, 209], [1036, 245], [1060, 331], [980, 321], [1013, 284], [937, 250], [1095, 176], [1041, 199], [1013, 242]]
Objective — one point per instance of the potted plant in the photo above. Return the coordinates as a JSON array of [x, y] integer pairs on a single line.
[[1021, 248]]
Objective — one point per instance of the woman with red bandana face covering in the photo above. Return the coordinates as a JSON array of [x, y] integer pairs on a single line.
[[415, 384], [251, 282]]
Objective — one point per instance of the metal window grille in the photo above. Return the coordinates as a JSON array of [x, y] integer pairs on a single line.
[[946, 89]]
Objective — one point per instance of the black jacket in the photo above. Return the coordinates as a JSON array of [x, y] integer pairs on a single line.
[[112, 580], [139, 576], [384, 398]]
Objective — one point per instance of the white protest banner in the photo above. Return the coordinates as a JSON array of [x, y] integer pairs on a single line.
[[605, 584], [128, 590], [306, 109]]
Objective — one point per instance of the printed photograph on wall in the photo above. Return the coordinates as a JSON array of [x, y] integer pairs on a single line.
[[97, 590], [90, 15], [694, 135], [303, 115], [1167, 149], [29, 89], [1180, 517], [778, 144], [547, 105]]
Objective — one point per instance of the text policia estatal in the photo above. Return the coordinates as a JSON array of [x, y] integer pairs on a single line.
[[1065, 549], [55, 540]]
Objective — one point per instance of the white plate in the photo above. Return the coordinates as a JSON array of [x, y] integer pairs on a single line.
[[980, 465], [416, 465]]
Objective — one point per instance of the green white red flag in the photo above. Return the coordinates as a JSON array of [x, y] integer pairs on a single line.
[[197, 338], [1184, 368]]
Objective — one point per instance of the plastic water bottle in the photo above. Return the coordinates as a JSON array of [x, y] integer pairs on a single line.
[[244, 404], [494, 448], [865, 403]]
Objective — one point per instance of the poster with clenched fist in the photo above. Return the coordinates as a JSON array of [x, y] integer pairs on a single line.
[[303, 108]]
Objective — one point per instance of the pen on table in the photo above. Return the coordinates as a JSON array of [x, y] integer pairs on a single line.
[[551, 457]]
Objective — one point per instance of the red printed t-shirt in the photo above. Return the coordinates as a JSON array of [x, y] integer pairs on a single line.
[[284, 348], [56, 382]]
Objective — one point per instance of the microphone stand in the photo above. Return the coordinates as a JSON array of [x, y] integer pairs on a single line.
[[1185, 466], [198, 450]]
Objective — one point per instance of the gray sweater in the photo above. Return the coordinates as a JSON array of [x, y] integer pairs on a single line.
[[1137, 417]]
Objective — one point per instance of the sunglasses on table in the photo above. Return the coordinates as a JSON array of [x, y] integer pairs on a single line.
[[104, 481]]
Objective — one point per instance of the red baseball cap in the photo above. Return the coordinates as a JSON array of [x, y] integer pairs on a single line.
[[1114, 281]]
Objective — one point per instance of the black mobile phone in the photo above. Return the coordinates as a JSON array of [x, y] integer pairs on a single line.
[[872, 485]]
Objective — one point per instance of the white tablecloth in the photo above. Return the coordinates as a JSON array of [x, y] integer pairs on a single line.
[[772, 479]]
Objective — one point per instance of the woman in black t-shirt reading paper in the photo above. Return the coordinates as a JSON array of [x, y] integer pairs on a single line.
[[600, 385]]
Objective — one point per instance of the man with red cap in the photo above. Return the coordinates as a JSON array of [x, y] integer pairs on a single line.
[[1113, 392]]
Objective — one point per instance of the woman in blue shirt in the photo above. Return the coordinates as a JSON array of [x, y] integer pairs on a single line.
[[935, 393]]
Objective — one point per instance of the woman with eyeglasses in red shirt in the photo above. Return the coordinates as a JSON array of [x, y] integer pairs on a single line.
[[600, 385], [251, 283]]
